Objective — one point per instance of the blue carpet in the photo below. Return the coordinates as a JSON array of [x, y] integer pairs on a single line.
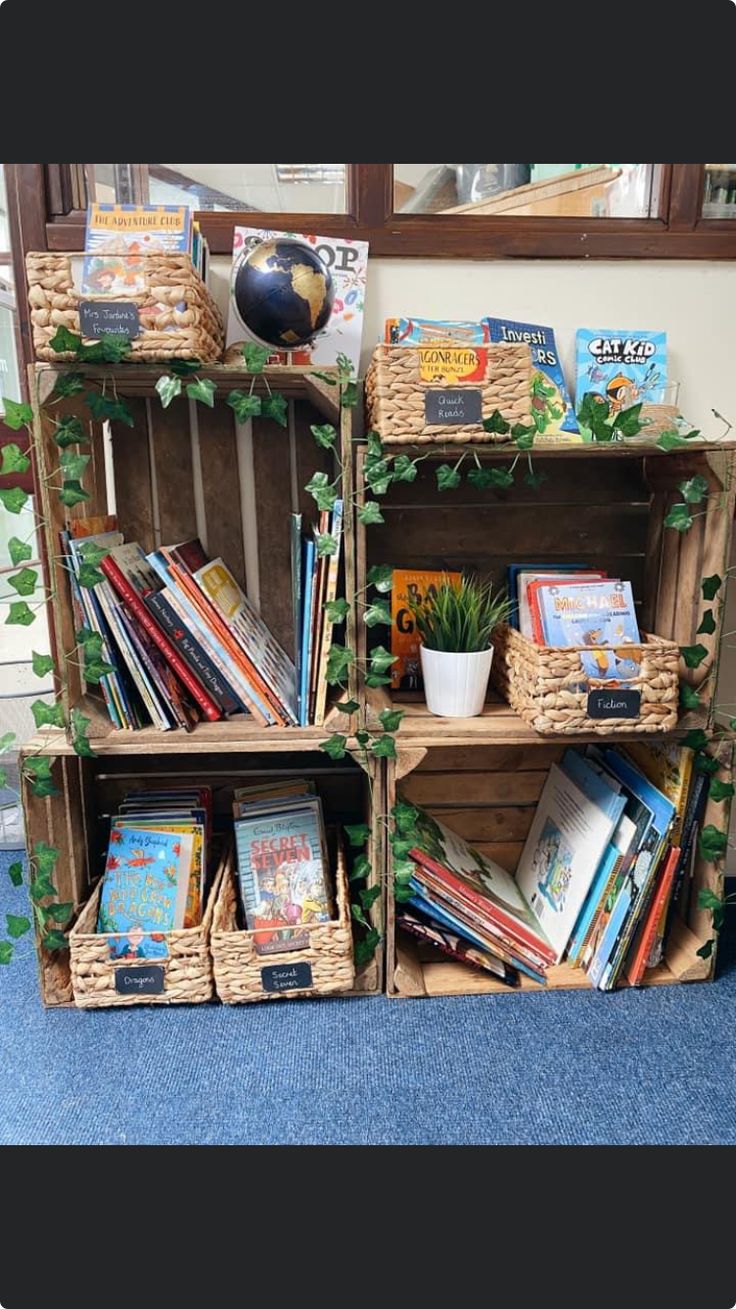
[[577, 1068]]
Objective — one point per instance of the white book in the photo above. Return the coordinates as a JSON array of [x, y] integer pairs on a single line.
[[525, 614]]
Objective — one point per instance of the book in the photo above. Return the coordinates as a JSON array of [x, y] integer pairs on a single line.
[[284, 876], [430, 932], [416, 585], [638, 961], [116, 237], [317, 615], [330, 593], [310, 559], [347, 262], [141, 897], [433, 331], [192, 847], [620, 368], [87, 613], [448, 914], [163, 606], [552, 410], [563, 849], [602, 886], [600, 615], [542, 570], [297, 598], [523, 580]]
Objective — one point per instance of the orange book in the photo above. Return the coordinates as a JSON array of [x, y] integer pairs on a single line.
[[417, 585], [636, 969]]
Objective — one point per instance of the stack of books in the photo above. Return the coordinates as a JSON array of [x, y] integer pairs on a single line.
[[118, 237], [283, 865], [314, 585], [570, 605], [181, 639], [605, 866], [156, 869]]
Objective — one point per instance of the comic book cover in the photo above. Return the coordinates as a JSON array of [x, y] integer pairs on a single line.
[[284, 876], [621, 368], [415, 585], [141, 893], [597, 614], [552, 409], [117, 237]]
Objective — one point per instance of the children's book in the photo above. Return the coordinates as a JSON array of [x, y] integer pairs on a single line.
[[539, 570], [330, 592], [434, 331], [430, 932], [445, 911], [552, 410], [417, 586], [524, 579], [297, 597], [141, 895], [598, 614], [118, 235], [346, 262], [620, 368], [638, 960], [309, 549], [192, 862], [284, 876]]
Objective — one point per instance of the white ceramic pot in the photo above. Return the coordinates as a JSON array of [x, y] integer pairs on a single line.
[[455, 685]]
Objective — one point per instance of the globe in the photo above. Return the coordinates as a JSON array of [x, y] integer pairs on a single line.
[[284, 293]]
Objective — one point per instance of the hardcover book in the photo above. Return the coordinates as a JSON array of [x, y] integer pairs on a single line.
[[416, 585], [552, 410]]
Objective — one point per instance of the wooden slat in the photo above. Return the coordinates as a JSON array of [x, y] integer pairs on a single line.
[[449, 789], [454, 533], [272, 471], [489, 759], [310, 459], [605, 483], [172, 457], [132, 470], [218, 457], [501, 823]]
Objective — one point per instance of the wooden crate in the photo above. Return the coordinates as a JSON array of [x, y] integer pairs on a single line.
[[193, 471], [600, 506], [76, 820], [488, 794]]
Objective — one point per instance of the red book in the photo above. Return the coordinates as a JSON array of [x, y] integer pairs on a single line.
[[123, 587], [635, 971]]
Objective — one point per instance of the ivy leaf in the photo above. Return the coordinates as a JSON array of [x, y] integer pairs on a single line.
[[14, 460], [6, 740], [95, 670], [13, 499], [358, 915], [111, 348], [360, 869], [168, 388], [69, 384], [447, 478], [324, 435], [70, 431], [6, 952], [60, 913], [18, 551], [368, 896], [705, 763], [184, 367], [694, 490], [381, 659], [363, 737], [710, 586], [357, 833], [712, 843], [384, 747], [720, 790], [347, 706], [523, 436], [17, 925], [496, 423], [390, 719], [20, 615], [47, 714], [381, 576], [627, 422], [689, 699], [706, 950], [16, 414], [693, 654], [375, 679], [64, 341], [326, 544], [708, 899], [38, 773], [44, 857], [55, 940], [404, 869], [255, 356], [203, 389], [41, 663], [41, 887], [480, 477], [370, 513], [105, 408], [679, 517], [329, 378], [696, 739], [274, 406], [336, 746], [707, 625], [80, 726], [338, 662], [404, 469], [402, 893], [336, 611], [501, 478], [670, 440], [378, 476], [405, 817], [377, 613], [15, 872], [93, 554], [24, 582], [535, 480], [73, 465], [244, 406], [73, 493], [322, 491], [91, 642], [349, 395]]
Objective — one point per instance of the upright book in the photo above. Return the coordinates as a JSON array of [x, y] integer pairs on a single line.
[[552, 411], [620, 369], [118, 236]]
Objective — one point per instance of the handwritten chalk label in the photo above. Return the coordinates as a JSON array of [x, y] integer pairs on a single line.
[[109, 318], [286, 977], [452, 405], [614, 703], [140, 980]]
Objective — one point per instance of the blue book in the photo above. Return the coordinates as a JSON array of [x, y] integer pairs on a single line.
[[552, 411], [591, 783], [309, 557], [597, 614], [297, 599], [142, 891], [610, 936], [420, 900], [620, 368], [592, 903]]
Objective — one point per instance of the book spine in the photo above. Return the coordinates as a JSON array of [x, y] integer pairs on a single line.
[[639, 906], [640, 962], [192, 652], [139, 674], [144, 655], [305, 630], [327, 628], [139, 611], [693, 812]]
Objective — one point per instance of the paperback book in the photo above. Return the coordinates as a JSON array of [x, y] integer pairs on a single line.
[[621, 369], [552, 410]]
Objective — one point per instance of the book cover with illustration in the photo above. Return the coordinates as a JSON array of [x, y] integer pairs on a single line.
[[118, 235], [434, 331], [599, 614], [141, 892], [552, 409], [192, 854], [346, 262], [620, 368], [284, 876], [416, 585]]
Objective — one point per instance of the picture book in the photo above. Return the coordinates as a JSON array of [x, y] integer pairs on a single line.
[[524, 579], [639, 959], [566, 841], [284, 876], [598, 614], [552, 410], [347, 263], [448, 913], [417, 586], [429, 932], [669, 767], [429, 331], [118, 235], [141, 893], [539, 570], [620, 368]]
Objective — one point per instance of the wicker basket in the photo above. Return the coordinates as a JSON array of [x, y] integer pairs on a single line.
[[242, 976], [549, 689], [399, 378], [187, 971], [193, 332]]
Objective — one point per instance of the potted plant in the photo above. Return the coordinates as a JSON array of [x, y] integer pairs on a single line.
[[455, 624]]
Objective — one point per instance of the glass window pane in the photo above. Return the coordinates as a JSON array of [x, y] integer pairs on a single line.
[[719, 191], [4, 233], [533, 190], [266, 188]]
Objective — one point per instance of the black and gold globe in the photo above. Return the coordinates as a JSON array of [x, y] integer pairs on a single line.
[[284, 293]]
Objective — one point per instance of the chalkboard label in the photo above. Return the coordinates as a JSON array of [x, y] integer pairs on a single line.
[[452, 405], [109, 317], [140, 979], [614, 703], [286, 977]]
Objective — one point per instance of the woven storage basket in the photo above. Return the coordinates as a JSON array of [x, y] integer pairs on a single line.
[[400, 376], [193, 332], [549, 689], [240, 973], [187, 970]]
